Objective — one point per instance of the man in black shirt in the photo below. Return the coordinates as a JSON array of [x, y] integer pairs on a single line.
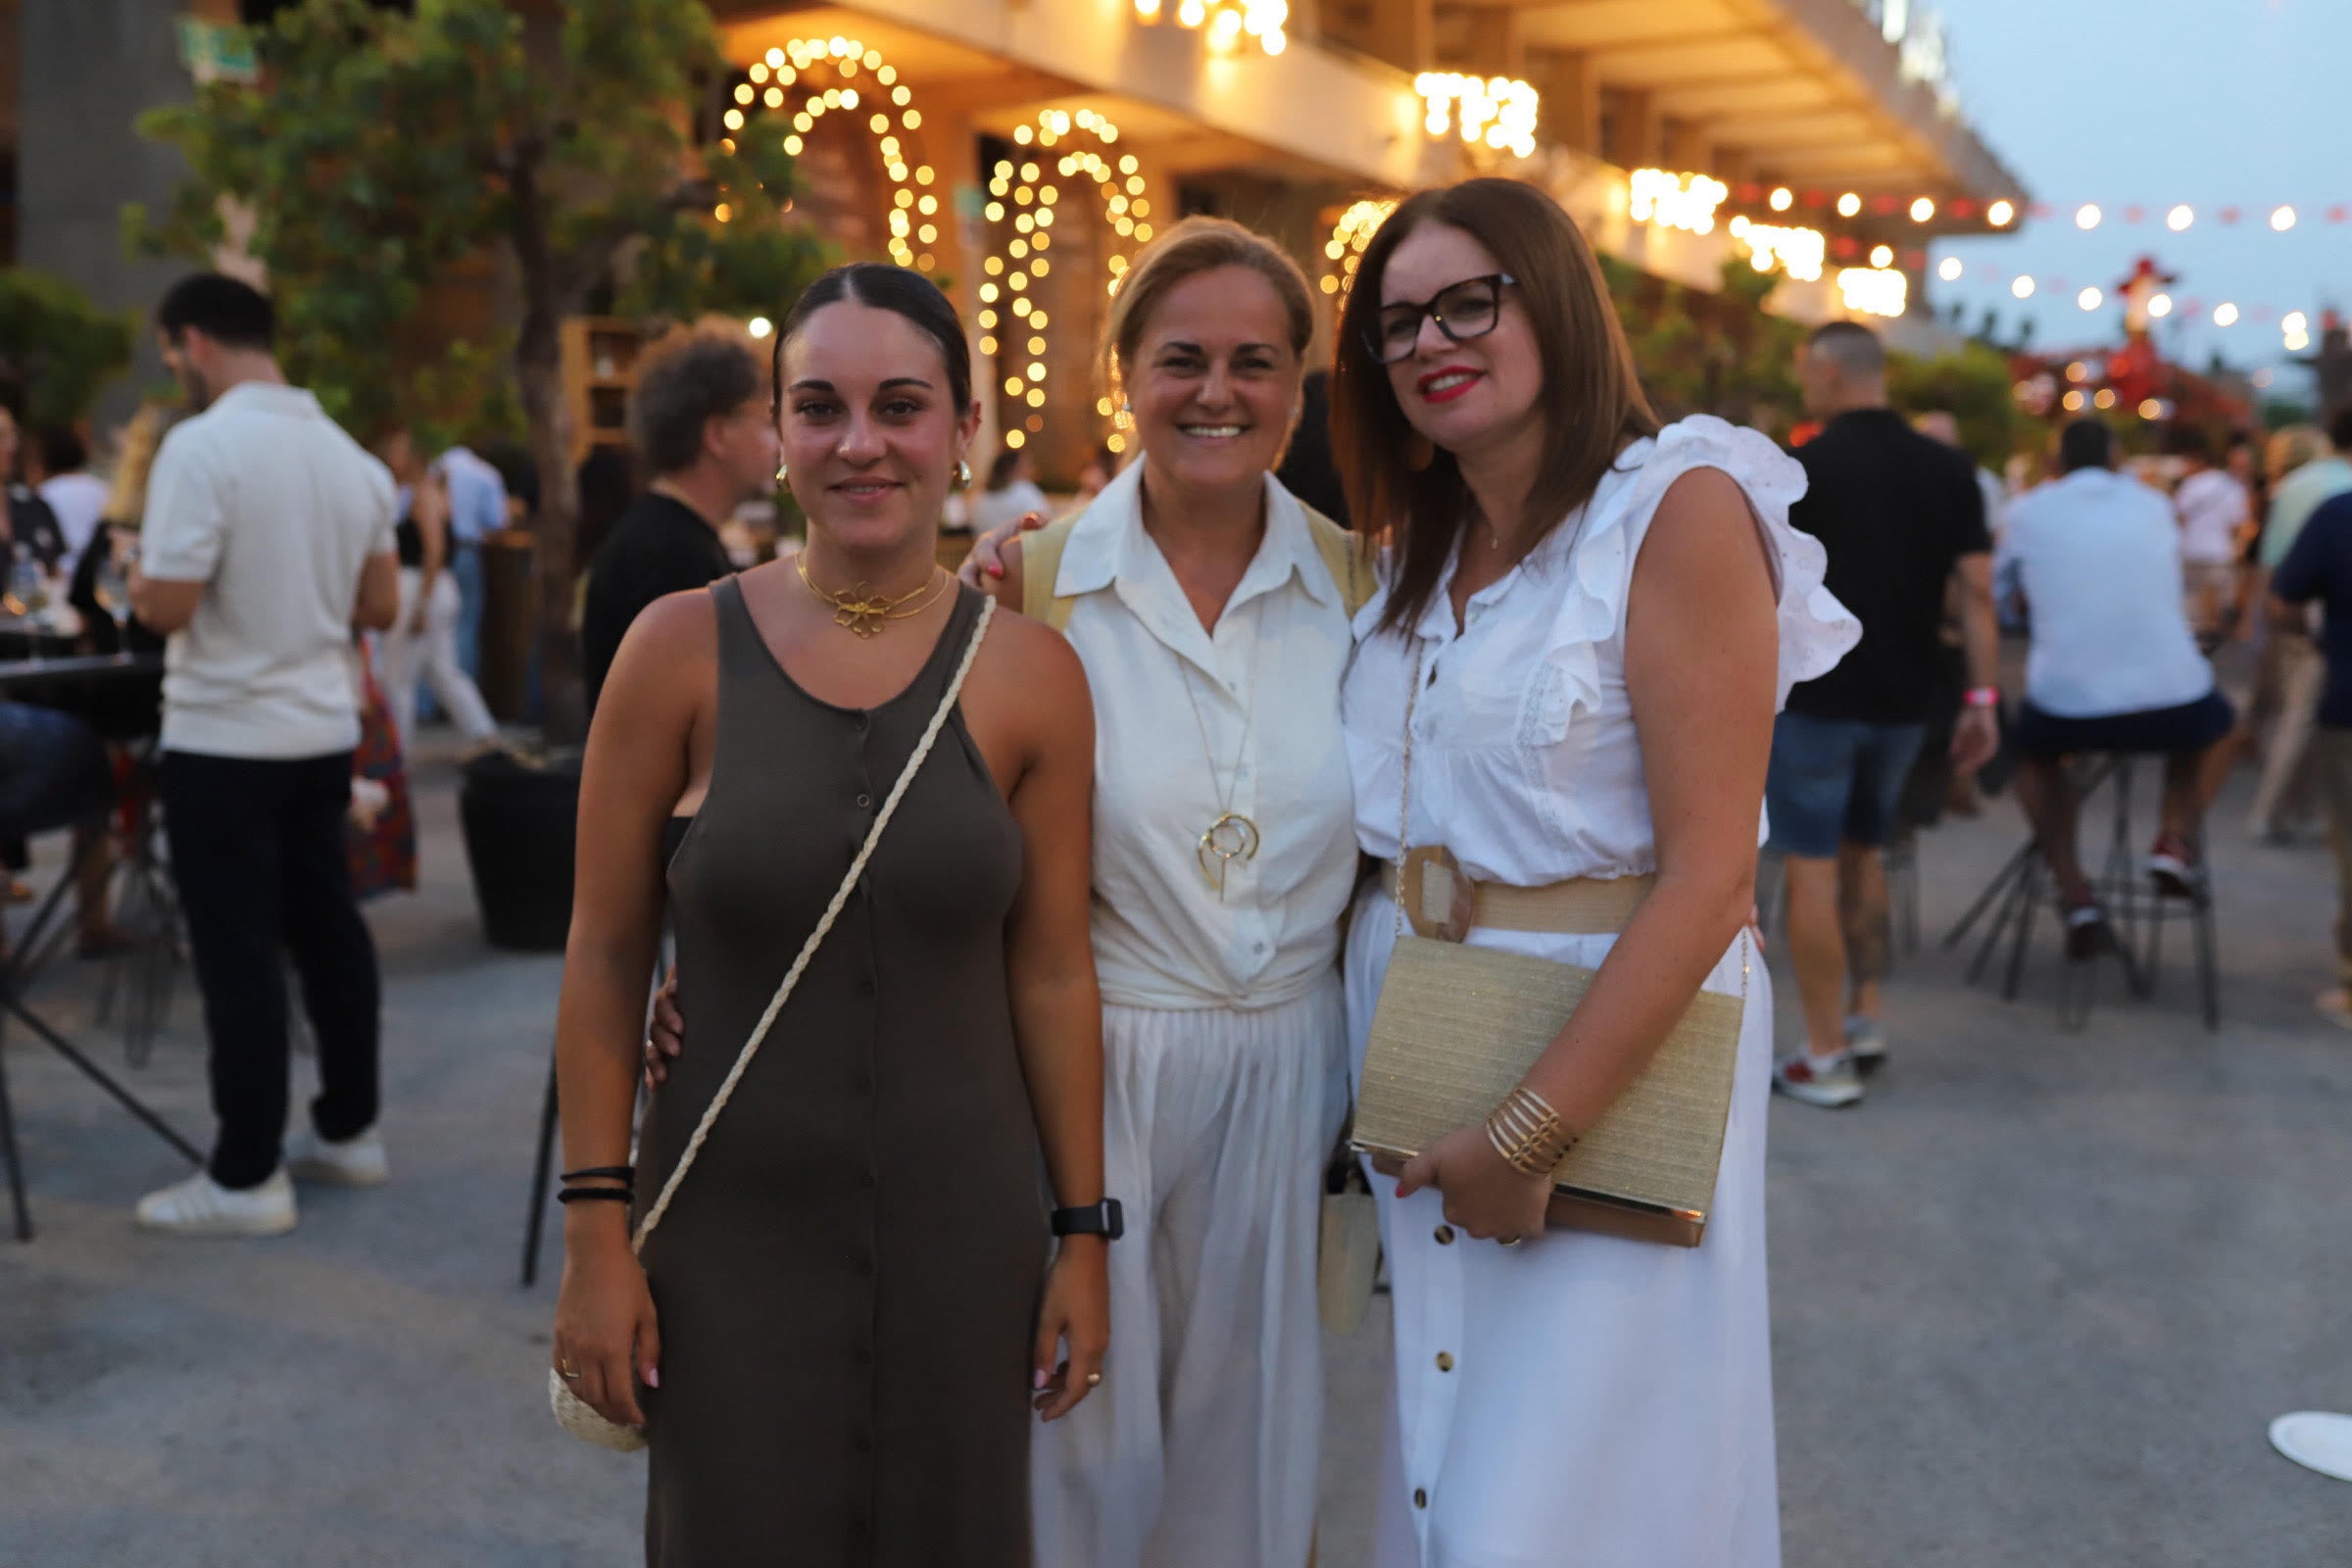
[[1900, 514], [2319, 566], [702, 427]]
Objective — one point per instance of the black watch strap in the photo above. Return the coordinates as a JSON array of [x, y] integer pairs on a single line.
[[1105, 1219]]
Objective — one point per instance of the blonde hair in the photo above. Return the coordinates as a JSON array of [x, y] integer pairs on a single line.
[[1196, 245], [143, 438], [2292, 448]]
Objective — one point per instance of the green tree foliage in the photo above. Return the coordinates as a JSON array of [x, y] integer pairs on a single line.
[[1702, 353], [1973, 381], [386, 153], [56, 348]]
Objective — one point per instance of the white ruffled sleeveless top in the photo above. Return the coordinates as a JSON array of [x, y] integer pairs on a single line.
[[1526, 764]]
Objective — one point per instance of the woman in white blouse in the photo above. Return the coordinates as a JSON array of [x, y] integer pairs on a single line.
[[1603, 618], [1202, 599], [1211, 612]]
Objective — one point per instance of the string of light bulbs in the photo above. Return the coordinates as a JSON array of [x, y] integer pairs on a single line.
[[2295, 325], [1226, 23], [1022, 198], [890, 111], [1344, 249]]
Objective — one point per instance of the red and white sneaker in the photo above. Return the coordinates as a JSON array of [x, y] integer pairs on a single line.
[[1830, 1084], [2175, 869]]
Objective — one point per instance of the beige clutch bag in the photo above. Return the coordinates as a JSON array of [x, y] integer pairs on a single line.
[[1457, 1028]]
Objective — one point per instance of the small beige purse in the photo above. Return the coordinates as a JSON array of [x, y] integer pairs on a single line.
[[574, 1414], [1457, 1027]]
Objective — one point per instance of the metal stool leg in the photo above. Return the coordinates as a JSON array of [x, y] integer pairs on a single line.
[[541, 1171], [99, 1076], [2029, 898], [2209, 979], [2012, 889], [10, 1156], [1992, 891]]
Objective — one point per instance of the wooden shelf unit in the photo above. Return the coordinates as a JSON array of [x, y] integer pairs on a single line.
[[600, 369]]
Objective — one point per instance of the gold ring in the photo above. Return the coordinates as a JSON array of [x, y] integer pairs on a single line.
[[1509, 1241], [1093, 1379], [565, 1371]]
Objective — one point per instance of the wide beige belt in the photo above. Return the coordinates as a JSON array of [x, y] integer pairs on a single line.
[[1443, 904]]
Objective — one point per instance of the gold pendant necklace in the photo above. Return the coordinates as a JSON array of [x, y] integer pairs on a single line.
[[864, 613], [1231, 836]]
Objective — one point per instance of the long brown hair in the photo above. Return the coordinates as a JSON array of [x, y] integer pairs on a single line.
[[1591, 401]]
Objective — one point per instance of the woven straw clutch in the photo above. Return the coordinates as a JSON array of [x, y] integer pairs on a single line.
[[1457, 1028]]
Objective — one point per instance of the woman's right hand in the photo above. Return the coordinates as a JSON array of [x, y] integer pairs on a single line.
[[606, 1336], [665, 1033], [987, 559]]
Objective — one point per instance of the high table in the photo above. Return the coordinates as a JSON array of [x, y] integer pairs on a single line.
[[118, 697]]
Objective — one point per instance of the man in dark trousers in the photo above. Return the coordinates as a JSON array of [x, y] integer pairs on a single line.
[[704, 427], [268, 539], [1900, 514]]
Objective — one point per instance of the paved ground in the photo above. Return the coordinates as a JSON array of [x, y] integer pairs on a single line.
[[2033, 1304]]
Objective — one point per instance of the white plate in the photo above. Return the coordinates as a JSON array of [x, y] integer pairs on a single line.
[[2317, 1440]]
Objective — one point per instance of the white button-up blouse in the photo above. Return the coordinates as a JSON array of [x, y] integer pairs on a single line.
[[1190, 724], [1526, 764]]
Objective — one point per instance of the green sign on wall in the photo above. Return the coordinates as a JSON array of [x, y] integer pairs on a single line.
[[216, 51]]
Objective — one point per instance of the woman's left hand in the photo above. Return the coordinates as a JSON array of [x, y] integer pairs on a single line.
[[1076, 1314], [1483, 1196]]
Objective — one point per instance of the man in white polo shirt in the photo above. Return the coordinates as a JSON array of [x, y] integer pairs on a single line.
[[2114, 665], [268, 538]]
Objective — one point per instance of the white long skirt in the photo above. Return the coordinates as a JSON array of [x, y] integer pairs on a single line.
[[1580, 1402], [1200, 1448]]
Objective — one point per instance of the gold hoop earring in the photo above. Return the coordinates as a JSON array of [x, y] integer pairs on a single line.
[[780, 473], [964, 474]]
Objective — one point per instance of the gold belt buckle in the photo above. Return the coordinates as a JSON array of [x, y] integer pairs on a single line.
[[1440, 903]]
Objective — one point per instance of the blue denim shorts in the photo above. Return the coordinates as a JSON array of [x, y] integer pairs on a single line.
[[53, 770], [1835, 779]]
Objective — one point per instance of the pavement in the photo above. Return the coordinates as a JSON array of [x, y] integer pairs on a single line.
[[2035, 1303]]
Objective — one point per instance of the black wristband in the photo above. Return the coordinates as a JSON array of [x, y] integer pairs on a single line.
[[625, 1173], [591, 1195], [1105, 1219]]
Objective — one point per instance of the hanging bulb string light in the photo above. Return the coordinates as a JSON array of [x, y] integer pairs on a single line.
[[864, 88], [1024, 197]]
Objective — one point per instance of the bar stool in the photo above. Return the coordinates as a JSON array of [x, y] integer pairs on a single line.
[[2135, 911]]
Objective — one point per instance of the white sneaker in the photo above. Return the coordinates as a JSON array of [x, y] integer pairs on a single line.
[[1828, 1084], [1865, 1044], [356, 1161], [202, 1207]]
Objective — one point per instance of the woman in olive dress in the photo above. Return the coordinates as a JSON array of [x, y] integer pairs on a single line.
[[840, 1324]]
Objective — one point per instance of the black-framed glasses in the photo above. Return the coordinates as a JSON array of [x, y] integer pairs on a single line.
[[1462, 310]]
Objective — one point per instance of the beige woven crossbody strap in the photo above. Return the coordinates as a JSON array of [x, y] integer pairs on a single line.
[[824, 927]]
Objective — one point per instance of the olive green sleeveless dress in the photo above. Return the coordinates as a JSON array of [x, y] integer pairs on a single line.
[[848, 1277]]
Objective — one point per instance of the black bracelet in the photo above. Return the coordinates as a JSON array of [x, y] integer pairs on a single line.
[[589, 1195], [616, 1173]]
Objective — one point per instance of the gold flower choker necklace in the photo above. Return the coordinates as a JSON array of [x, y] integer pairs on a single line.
[[863, 612]]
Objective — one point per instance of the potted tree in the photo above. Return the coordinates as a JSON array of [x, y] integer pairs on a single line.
[[383, 153]]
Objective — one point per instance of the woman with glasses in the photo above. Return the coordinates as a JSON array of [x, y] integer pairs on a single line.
[[1584, 625]]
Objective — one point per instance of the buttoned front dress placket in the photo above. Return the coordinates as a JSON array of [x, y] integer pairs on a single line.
[[1223, 1045], [1576, 1402], [848, 1277]]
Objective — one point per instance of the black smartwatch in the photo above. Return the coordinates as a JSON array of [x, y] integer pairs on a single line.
[[1105, 1219]]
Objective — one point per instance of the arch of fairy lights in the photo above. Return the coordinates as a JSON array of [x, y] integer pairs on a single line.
[[1022, 196], [1344, 249], [827, 75]]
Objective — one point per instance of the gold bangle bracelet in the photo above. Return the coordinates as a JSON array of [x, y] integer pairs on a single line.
[[1528, 1132]]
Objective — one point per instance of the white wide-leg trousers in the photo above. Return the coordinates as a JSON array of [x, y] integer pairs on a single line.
[[1199, 1449]]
